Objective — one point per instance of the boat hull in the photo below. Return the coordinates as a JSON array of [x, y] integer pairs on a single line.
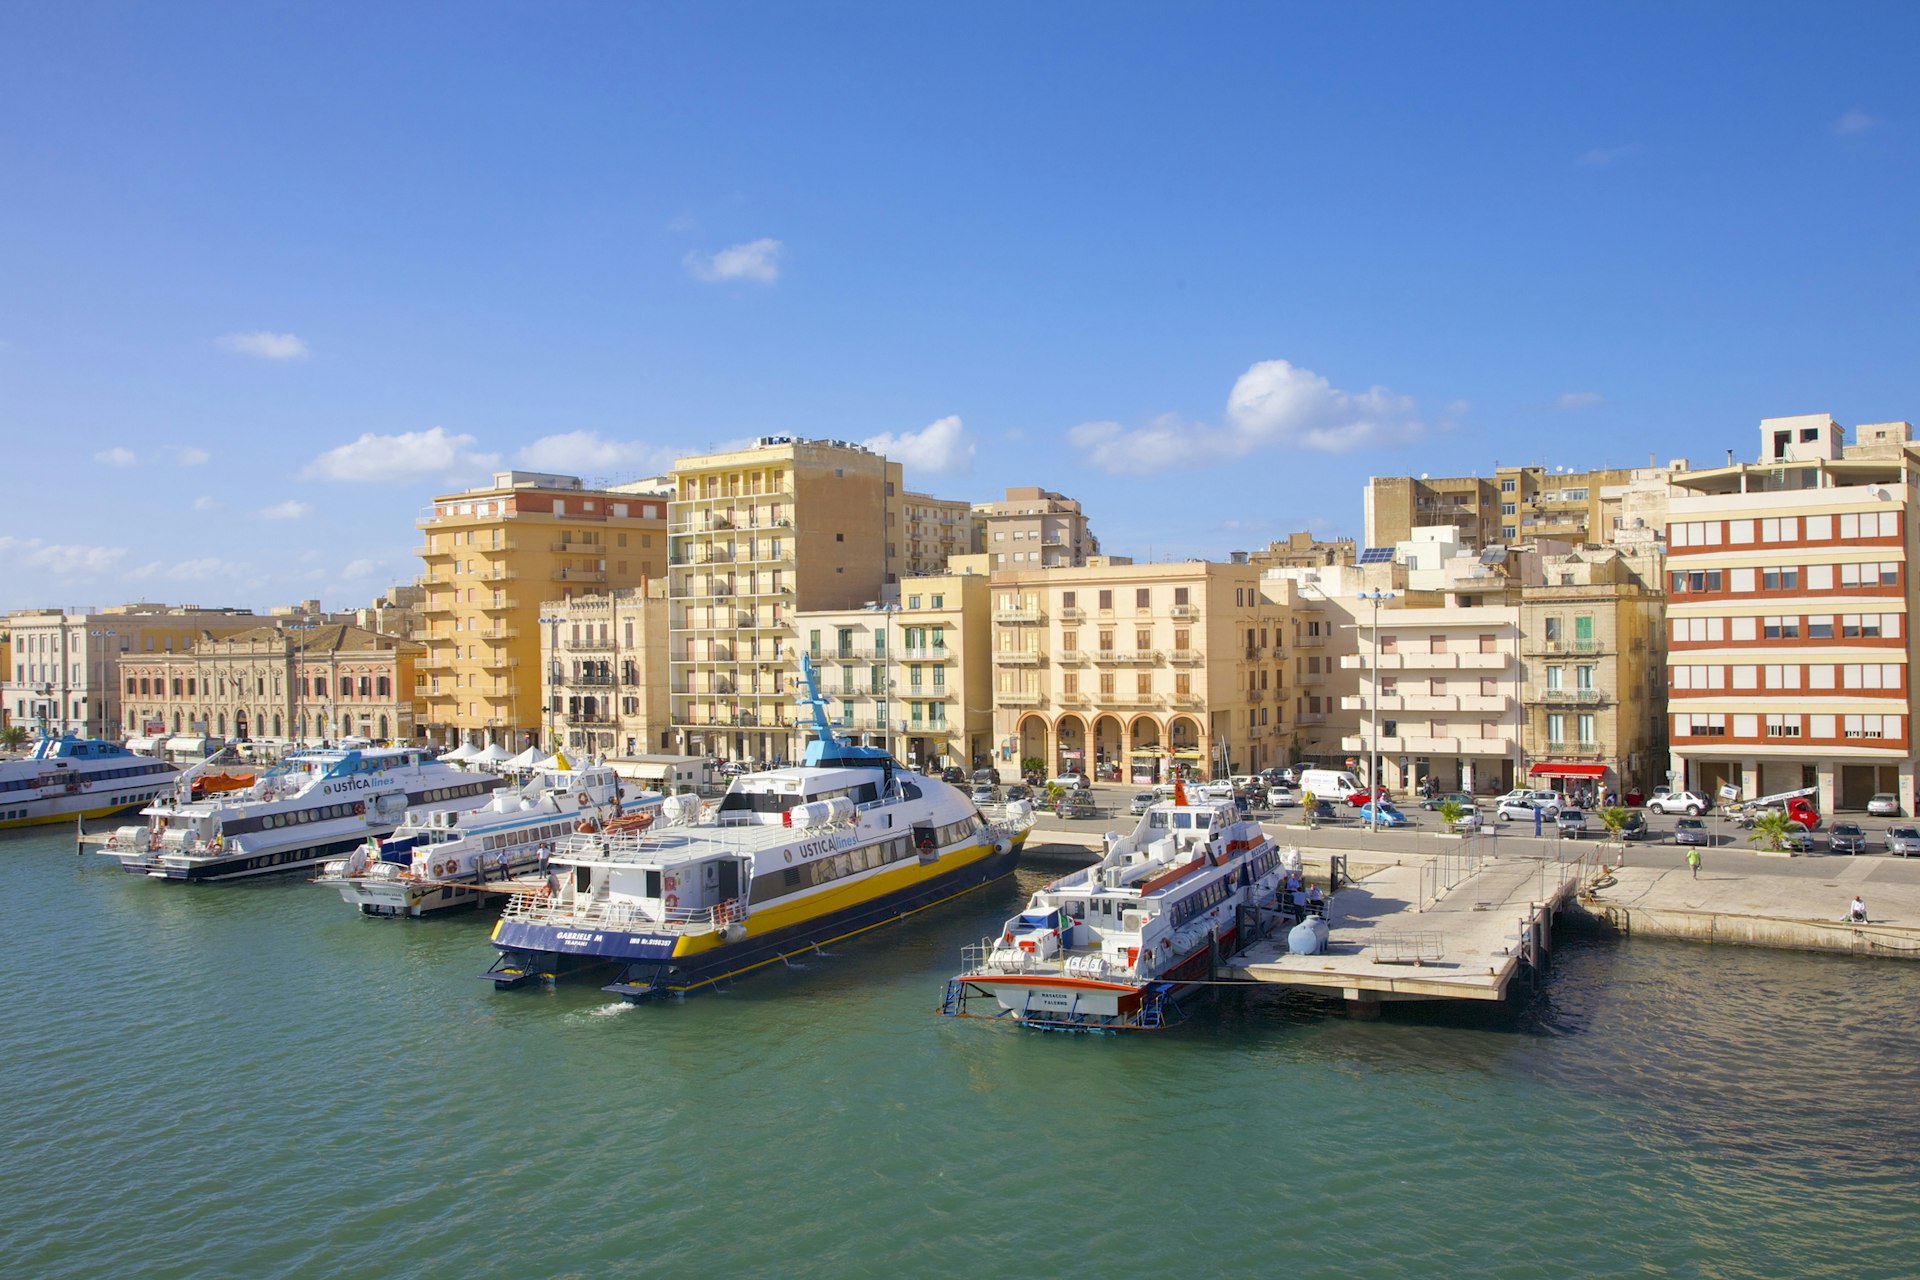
[[40, 813], [1057, 1002], [653, 968], [245, 865]]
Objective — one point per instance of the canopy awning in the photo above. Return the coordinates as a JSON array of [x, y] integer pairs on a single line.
[[1567, 769], [464, 751]]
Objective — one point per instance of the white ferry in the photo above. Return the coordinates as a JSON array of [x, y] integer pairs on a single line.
[[788, 860], [1113, 946], [436, 857], [67, 778], [312, 806]]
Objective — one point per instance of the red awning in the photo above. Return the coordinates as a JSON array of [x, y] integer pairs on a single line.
[[1556, 769]]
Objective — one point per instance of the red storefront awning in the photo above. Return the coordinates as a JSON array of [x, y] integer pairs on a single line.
[[1558, 769]]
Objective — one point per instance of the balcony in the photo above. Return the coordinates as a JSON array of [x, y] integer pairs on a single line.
[[941, 654], [1019, 698], [579, 575], [1543, 646], [498, 662], [1185, 657], [587, 681], [1127, 656], [500, 604], [1584, 697], [586, 646], [1019, 616], [588, 717], [1073, 613], [1309, 642], [1187, 700], [436, 604], [1076, 699], [1018, 657], [574, 547], [847, 655], [1135, 699], [1072, 657], [1182, 611], [426, 552]]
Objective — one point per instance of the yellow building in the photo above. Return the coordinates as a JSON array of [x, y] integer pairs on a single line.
[[912, 676], [759, 535], [493, 554], [933, 530], [1513, 504], [1126, 669]]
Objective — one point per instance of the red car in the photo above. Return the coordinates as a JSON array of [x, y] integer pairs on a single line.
[[1361, 797]]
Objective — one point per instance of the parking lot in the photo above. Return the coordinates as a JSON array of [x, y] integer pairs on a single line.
[[1111, 801]]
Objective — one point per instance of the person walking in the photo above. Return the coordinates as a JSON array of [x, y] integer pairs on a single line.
[[1693, 860]]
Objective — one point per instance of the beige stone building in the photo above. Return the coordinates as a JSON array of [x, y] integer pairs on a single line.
[[1303, 551], [1594, 683], [1513, 504], [63, 670], [1127, 670], [605, 662], [1033, 528], [307, 682], [759, 536], [912, 675], [933, 531], [492, 555], [1789, 616]]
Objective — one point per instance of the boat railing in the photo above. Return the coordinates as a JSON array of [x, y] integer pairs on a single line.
[[572, 908]]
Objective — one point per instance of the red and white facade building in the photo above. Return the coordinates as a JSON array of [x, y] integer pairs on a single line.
[[1789, 606]]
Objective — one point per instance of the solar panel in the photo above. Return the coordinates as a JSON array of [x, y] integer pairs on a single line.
[[1494, 555], [1376, 555]]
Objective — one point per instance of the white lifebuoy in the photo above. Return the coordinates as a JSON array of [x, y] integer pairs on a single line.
[[672, 902]]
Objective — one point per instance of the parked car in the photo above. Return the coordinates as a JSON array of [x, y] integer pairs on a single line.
[[1526, 793], [953, 775], [1691, 831], [1885, 804], [1847, 837], [1571, 822], [1688, 802], [1904, 841], [1468, 821], [1388, 816], [1524, 808], [1797, 840], [1076, 804], [1281, 797], [1245, 782], [985, 778], [986, 793], [1141, 803], [1362, 796], [1320, 811], [1071, 781], [1460, 798], [1634, 827], [1019, 791]]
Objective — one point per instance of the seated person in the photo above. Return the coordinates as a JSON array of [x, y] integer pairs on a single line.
[[1857, 913]]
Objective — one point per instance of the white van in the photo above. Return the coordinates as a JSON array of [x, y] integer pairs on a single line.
[[1333, 785]]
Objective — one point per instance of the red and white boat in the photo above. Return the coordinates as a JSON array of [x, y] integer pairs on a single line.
[[1112, 947]]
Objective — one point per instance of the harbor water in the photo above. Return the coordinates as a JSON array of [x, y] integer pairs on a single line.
[[250, 1080]]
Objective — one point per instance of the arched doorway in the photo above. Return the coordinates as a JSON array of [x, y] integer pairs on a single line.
[[1033, 742], [1070, 745], [1109, 749], [220, 724], [240, 724], [1185, 742], [1146, 752]]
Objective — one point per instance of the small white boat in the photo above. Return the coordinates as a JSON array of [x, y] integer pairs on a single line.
[[66, 778], [438, 859], [1112, 946]]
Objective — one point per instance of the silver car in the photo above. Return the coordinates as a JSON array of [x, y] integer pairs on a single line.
[[1885, 804], [1904, 841], [1846, 837], [1141, 803], [1691, 831]]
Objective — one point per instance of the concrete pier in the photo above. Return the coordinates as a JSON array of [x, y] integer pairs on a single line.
[[1760, 907]]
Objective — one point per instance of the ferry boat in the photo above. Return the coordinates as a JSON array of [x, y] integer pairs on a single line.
[[436, 857], [1113, 946], [788, 860], [312, 806], [68, 778]]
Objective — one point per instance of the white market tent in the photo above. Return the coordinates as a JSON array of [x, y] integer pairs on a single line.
[[492, 753], [528, 759], [465, 751]]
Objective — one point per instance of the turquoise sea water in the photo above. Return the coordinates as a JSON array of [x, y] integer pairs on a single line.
[[251, 1080]]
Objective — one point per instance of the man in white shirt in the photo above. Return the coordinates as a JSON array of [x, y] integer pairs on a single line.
[[1857, 913]]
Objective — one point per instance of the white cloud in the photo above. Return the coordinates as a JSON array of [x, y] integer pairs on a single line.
[[204, 503], [403, 457], [360, 569], [1578, 400], [756, 260], [199, 569], [190, 457], [1601, 157], [291, 509], [942, 446], [57, 557], [266, 346], [117, 457], [584, 452], [1273, 405], [1854, 122]]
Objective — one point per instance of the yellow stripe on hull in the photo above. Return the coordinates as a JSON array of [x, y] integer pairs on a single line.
[[47, 819]]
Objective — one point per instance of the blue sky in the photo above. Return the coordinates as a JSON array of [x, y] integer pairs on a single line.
[[271, 275]]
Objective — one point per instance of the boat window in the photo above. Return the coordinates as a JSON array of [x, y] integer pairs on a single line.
[[1203, 820], [758, 802], [910, 790], [652, 885], [1183, 820]]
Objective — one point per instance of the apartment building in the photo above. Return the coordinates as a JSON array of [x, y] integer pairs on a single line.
[[1130, 670], [759, 535], [913, 675], [1594, 678], [605, 662], [63, 671], [933, 531], [493, 555], [1032, 528], [1788, 604], [311, 681], [1513, 504], [1304, 551]]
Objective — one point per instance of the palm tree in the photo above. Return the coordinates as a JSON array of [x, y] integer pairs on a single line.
[[1613, 817], [1451, 811], [12, 738], [1770, 829], [1307, 802]]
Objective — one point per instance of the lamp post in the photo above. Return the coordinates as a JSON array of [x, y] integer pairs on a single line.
[[549, 680], [298, 675], [1373, 710]]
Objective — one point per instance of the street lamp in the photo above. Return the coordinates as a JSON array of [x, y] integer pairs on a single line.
[[1373, 710], [549, 679]]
